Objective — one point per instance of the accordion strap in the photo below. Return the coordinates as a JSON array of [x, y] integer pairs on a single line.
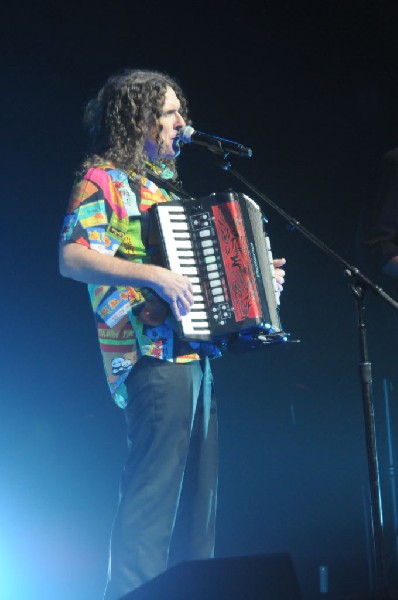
[[167, 185]]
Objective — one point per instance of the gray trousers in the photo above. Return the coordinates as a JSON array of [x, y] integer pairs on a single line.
[[168, 490]]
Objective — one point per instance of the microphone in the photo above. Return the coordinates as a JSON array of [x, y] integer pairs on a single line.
[[215, 144]]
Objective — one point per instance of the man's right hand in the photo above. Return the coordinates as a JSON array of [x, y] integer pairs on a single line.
[[176, 290], [89, 266]]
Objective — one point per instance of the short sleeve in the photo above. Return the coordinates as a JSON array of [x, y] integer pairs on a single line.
[[96, 216]]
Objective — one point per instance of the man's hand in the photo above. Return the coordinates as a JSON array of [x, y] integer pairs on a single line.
[[176, 290], [89, 266], [279, 273]]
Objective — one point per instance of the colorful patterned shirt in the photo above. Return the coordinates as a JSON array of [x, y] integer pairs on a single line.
[[108, 213]]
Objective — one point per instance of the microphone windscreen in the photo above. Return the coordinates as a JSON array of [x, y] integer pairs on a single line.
[[186, 133]]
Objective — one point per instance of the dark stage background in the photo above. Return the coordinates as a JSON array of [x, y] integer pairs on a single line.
[[313, 89]]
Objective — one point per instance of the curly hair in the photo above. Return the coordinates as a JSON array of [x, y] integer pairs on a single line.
[[118, 119]]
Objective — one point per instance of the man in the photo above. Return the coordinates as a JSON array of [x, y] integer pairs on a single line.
[[381, 228], [378, 246], [168, 490]]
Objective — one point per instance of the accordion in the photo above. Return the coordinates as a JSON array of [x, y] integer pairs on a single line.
[[219, 242]]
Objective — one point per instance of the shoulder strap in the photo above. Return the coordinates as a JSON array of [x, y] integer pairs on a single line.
[[169, 186]]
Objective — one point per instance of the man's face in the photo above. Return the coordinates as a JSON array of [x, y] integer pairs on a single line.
[[170, 123]]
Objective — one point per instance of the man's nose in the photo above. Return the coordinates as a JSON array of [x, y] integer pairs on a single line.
[[180, 121]]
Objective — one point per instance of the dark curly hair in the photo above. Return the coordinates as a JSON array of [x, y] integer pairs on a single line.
[[119, 117]]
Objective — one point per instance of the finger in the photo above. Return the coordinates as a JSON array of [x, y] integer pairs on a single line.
[[175, 310], [180, 307], [278, 262], [189, 297], [189, 285], [184, 305]]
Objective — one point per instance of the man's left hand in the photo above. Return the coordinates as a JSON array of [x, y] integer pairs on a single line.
[[279, 273]]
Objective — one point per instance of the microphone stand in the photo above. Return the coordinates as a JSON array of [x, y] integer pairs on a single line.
[[359, 285]]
